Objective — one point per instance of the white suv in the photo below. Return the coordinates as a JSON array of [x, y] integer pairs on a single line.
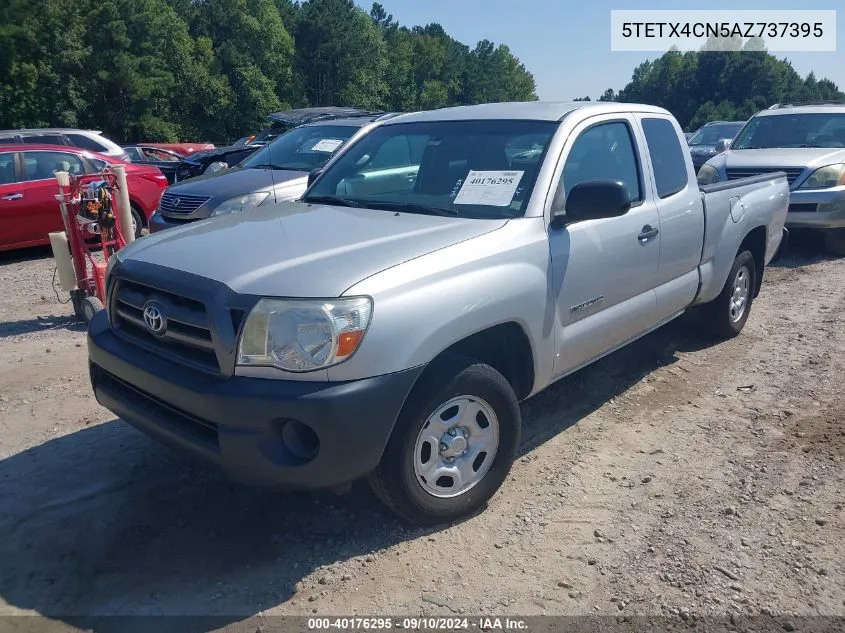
[[92, 140]]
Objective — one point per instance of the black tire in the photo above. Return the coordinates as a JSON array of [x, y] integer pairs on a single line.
[[834, 242], [89, 307], [394, 481], [139, 222], [718, 317]]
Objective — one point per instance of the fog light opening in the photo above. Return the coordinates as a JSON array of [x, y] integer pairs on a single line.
[[300, 440]]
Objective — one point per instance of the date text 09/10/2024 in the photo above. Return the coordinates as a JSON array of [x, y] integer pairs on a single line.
[[418, 624]]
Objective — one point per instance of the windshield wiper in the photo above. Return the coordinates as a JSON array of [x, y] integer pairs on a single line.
[[266, 166], [335, 200], [410, 207]]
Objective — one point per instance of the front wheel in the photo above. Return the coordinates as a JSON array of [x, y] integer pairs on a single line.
[[726, 315], [453, 444]]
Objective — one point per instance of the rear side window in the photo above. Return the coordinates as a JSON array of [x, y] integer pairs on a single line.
[[44, 165], [667, 157], [7, 169], [43, 139], [85, 142]]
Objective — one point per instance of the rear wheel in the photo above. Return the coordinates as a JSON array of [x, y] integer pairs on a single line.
[[726, 315], [453, 444], [834, 242]]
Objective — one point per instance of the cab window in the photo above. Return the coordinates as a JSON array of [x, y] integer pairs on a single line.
[[604, 152]]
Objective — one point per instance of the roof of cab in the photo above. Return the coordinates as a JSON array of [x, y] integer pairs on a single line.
[[523, 110]]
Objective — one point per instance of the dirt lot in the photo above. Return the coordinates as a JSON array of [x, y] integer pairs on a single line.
[[671, 478]]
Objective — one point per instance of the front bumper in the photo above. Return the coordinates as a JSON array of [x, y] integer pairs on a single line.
[[159, 223], [804, 208], [243, 424]]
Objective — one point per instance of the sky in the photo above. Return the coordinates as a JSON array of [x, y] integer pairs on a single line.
[[566, 45]]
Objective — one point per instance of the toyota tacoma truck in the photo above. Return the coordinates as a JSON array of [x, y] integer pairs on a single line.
[[806, 141], [439, 270]]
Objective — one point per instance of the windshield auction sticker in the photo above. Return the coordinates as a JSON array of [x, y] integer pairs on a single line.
[[490, 188], [326, 145]]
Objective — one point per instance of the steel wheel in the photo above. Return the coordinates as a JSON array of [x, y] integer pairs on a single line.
[[456, 446], [741, 289]]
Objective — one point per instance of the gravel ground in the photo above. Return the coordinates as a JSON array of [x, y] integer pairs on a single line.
[[672, 478]]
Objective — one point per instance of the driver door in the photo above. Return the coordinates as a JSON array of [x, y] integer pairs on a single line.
[[604, 270]]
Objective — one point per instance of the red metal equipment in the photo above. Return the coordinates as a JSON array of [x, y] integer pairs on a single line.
[[90, 207]]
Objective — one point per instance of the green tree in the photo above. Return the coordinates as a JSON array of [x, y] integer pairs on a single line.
[[341, 53], [723, 84]]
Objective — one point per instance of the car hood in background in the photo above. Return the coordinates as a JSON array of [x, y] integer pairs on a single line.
[[236, 181], [208, 156], [780, 157], [295, 249]]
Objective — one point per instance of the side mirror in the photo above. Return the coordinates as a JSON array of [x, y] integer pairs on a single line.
[[592, 200], [722, 145], [313, 175]]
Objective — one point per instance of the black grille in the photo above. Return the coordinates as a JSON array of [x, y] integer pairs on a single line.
[[177, 203], [792, 173], [803, 207], [187, 334]]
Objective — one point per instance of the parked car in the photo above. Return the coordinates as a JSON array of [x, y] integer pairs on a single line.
[[183, 149], [704, 143], [92, 140], [443, 267], [688, 136], [277, 172], [166, 160], [807, 141], [278, 123], [28, 207]]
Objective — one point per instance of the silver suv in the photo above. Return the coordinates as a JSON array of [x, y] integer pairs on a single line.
[[807, 141], [92, 140]]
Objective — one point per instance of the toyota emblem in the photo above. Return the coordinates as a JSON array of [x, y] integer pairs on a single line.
[[154, 318]]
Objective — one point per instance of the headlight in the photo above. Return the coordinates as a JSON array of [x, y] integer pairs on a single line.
[[215, 166], [303, 335], [707, 175], [825, 177], [113, 260], [241, 203]]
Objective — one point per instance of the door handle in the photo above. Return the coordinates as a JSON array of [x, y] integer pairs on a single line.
[[647, 233], [12, 196]]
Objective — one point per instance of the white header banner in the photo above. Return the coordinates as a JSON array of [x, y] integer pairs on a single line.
[[775, 31]]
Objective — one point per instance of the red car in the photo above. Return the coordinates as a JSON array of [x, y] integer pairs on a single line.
[[28, 207]]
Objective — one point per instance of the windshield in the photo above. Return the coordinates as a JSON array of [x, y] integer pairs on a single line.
[[479, 169], [302, 149], [712, 134], [793, 130]]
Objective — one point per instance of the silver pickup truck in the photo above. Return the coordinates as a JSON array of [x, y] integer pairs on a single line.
[[441, 269]]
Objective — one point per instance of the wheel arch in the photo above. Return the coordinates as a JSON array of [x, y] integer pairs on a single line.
[[755, 242]]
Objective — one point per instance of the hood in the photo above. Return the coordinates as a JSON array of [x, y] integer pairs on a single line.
[[210, 155], [238, 181], [299, 250], [803, 157]]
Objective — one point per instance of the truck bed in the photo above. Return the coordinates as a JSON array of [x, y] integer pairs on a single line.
[[732, 209]]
